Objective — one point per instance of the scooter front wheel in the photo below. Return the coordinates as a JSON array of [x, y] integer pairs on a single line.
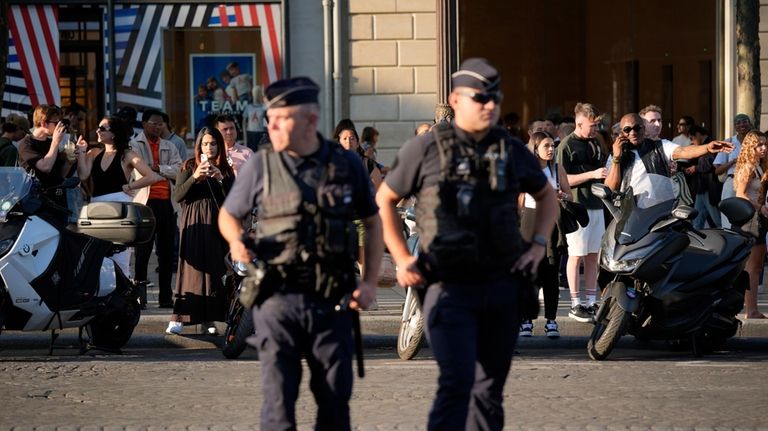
[[609, 328], [239, 328], [411, 327]]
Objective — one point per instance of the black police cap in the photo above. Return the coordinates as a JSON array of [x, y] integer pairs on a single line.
[[291, 91], [476, 73]]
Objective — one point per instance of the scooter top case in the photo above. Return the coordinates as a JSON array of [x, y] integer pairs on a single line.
[[125, 223]]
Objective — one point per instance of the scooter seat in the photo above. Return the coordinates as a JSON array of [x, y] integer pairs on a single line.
[[704, 254]]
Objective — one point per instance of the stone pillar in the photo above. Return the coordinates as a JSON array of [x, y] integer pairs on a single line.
[[447, 52]]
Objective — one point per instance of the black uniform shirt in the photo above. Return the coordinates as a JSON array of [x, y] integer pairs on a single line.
[[417, 164], [246, 192]]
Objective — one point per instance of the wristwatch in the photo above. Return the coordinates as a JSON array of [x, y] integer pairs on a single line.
[[539, 239]]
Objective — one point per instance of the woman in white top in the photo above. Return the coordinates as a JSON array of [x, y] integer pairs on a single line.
[[543, 146]]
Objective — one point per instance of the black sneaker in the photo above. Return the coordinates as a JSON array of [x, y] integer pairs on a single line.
[[551, 329], [593, 309], [581, 313], [526, 328]]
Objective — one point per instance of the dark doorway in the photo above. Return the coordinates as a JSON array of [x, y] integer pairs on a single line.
[[81, 63]]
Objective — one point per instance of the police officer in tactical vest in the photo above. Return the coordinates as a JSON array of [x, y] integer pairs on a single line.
[[306, 191], [467, 177]]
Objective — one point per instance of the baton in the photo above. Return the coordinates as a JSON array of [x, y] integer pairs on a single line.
[[356, 332]]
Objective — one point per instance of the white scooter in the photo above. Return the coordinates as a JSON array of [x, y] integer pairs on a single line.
[[411, 333], [52, 278]]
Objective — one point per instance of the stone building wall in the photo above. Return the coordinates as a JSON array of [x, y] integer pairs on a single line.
[[392, 68]]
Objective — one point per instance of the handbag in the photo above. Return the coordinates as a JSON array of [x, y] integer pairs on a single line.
[[572, 214]]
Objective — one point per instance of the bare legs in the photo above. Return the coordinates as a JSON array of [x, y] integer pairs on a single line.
[[754, 266]]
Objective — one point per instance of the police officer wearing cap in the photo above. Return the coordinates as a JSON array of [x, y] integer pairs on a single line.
[[306, 191], [467, 177]]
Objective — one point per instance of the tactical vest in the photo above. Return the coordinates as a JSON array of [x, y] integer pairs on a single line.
[[468, 220], [306, 230]]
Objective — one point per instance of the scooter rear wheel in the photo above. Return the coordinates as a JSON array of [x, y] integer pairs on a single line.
[[609, 328], [113, 330]]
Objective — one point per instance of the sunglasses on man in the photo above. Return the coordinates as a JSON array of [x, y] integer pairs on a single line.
[[637, 128], [483, 98]]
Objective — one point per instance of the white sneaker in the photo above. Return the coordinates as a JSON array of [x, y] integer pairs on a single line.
[[210, 328], [174, 328]]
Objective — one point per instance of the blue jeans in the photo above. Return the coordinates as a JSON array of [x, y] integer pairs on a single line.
[[472, 330], [704, 208]]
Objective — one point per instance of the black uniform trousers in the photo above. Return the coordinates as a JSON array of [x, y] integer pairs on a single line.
[[290, 326], [165, 226], [472, 329]]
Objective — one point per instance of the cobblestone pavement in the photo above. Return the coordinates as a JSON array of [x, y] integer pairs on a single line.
[[196, 389]]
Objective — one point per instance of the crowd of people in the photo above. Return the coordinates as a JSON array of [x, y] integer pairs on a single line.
[[150, 166], [485, 205]]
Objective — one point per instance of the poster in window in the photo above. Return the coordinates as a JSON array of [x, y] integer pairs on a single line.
[[220, 84]]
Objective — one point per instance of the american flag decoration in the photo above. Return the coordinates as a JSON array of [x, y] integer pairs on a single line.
[[138, 40], [32, 72]]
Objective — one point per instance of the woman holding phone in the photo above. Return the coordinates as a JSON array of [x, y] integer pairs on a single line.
[[201, 186]]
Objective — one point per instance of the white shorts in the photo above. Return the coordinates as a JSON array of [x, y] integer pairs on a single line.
[[587, 240]]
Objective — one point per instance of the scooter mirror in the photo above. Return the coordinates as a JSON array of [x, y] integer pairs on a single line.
[[601, 191]]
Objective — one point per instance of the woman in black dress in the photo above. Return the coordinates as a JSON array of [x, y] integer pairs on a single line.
[[201, 187]]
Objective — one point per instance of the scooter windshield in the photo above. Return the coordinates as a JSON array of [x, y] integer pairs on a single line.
[[15, 183], [640, 211]]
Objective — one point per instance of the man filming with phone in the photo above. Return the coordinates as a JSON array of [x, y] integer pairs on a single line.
[[636, 160]]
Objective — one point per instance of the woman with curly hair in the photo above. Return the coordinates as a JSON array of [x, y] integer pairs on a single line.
[[201, 186], [749, 182]]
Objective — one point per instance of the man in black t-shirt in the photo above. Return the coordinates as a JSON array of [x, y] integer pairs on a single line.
[[467, 177], [583, 159]]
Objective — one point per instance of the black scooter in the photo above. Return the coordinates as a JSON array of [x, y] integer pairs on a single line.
[[671, 281], [239, 319]]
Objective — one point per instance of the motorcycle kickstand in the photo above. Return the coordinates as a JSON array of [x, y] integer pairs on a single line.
[[54, 337], [84, 345]]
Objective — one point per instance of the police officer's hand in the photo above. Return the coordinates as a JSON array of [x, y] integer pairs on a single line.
[[363, 296], [530, 259], [240, 252], [408, 273]]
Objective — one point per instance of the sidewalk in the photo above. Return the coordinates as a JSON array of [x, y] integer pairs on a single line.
[[385, 321]]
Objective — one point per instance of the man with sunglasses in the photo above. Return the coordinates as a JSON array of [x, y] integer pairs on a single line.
[[635, 158], [163, 157], [467, 177]]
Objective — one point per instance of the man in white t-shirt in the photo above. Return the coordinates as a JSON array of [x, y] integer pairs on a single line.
[[636, 160], [727, 162]]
